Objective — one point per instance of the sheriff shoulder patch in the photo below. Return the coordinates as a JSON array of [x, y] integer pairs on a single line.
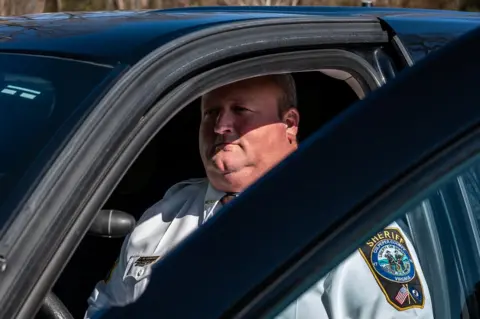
[[391, 263]]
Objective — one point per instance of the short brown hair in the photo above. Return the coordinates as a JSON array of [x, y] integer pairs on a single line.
[[289, 92]]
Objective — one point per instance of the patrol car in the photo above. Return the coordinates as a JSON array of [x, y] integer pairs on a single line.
[[99, 116]]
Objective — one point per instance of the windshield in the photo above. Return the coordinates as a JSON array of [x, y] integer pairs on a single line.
[[41, 100]]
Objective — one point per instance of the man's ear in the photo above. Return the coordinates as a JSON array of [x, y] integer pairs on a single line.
[[292, 118]]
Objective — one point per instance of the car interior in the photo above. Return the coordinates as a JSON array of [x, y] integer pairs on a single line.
[[322, 95]]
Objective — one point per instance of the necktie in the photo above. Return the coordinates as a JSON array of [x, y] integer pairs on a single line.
[[227, 198]]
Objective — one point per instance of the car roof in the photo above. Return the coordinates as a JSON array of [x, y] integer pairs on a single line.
[[127, 36]]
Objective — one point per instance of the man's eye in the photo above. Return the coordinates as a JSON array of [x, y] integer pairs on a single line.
[[240, 109], [210, 112]]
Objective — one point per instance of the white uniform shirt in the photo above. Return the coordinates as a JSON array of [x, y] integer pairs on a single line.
[[354, 289]]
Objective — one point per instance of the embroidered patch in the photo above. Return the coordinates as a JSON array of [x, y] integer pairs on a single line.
[[391, 263], [109, 275], [146, 260]]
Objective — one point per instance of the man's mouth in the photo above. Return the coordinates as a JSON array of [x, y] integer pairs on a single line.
[[222, 147]]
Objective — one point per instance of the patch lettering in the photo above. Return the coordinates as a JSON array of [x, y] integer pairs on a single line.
[[391, 263]]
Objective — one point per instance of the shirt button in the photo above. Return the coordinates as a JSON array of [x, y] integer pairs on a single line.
[[140, 272]]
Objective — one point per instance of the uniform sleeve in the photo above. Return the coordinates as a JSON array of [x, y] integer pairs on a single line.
[[112, 291], [382, 279], [118, 289]]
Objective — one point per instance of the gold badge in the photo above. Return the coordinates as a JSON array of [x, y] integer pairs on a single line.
[[146, 260]]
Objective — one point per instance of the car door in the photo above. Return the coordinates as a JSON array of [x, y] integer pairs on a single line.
[[409, 148]]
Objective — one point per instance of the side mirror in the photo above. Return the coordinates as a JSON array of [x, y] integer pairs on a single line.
[[112, 224]]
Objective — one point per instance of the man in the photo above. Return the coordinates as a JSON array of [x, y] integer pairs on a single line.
[[248, 127]]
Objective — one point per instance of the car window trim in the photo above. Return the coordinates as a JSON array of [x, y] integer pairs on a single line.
[[286, 62], [55, 57]]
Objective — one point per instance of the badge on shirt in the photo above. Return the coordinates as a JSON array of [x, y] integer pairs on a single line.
[[146, 260], [391, 263]]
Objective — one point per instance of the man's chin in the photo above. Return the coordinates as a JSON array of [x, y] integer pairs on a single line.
[[230, 181], [231, 168]]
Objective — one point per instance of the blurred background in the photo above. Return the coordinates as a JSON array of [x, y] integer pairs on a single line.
[[19, 7]]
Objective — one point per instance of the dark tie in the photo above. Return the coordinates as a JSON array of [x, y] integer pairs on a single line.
[[227, 198]]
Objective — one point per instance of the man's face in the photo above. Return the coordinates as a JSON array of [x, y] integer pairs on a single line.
[[242, 134]]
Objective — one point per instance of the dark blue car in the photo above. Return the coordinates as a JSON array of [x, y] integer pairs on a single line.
[[99, 114]]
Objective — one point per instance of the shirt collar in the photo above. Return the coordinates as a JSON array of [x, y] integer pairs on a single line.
[[212, 196]]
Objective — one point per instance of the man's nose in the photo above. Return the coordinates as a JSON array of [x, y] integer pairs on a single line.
[[224, 123]]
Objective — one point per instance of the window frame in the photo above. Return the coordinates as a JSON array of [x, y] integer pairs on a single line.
[[285, 62]]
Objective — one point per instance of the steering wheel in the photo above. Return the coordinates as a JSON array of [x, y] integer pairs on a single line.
[[53, 308], [107, 223]]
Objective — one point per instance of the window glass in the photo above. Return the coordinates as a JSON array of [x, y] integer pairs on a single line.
[[424, 265], [39, 96]]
